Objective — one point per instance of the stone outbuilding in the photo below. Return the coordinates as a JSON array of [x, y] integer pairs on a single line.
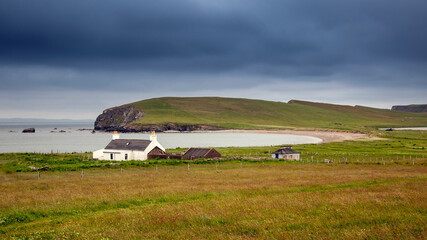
[[286, 152], [195, 153]]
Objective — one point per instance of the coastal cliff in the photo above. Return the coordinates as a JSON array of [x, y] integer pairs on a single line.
[[411, 108], [124, 119], [118, 118]]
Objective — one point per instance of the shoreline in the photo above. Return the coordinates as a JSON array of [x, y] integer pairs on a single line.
[[325, 135]]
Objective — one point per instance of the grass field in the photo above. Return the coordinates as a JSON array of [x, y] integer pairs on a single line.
[[275, 201], [369, 190], [258, 114]]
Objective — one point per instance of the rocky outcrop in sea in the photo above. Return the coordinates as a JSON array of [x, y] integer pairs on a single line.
[[29, 130]]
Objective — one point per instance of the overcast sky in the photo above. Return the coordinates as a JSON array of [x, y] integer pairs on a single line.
[[72, 59]]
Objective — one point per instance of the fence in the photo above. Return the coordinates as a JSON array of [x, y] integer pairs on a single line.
[[235, 162]]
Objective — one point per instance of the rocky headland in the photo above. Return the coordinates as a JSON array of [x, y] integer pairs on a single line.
[[123, 119], [411, 108]]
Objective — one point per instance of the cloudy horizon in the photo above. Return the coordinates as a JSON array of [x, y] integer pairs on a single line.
[[74, 59]]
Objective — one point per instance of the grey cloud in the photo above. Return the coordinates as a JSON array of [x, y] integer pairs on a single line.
[[218, 46], [147, 34]]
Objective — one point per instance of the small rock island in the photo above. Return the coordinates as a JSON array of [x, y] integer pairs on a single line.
[[29, 130]]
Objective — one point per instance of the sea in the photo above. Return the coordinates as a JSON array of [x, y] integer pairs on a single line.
[[78, 137], [407, 128]]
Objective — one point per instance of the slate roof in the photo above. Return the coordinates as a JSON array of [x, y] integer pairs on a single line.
[[128, 144], [286, 150], [197, 152]]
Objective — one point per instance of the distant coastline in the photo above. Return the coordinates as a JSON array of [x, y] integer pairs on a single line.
[[43, 120]]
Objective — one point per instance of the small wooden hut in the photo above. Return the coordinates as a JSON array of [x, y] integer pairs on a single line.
[[286, 152]]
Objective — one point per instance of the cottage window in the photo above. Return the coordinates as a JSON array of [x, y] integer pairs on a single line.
[[111, 156], [126, 156]]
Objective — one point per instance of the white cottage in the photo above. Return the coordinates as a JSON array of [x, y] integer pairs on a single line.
[[286, 152], [129, 149]]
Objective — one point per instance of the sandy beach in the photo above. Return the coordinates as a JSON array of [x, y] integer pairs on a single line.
[[326, 136]]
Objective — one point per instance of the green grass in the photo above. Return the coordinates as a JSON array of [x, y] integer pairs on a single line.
[[393, 144], [266, 202], [259, 114]]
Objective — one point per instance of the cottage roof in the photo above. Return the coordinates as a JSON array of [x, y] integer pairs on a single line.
[[197, 152], [128, 144], [286, 150]]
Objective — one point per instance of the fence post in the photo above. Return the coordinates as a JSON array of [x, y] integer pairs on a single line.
[[189, 167], [121, 170], [83, 173], [38, 174], [157, 169]]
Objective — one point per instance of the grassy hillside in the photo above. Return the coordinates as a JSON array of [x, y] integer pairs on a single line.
[[253, 114]]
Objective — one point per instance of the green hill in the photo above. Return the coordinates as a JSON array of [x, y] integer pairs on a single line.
[[259, 114]]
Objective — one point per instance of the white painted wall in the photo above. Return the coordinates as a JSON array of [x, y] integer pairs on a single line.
[[119, 155], [287, 156]]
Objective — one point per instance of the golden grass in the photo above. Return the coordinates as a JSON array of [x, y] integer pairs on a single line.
[[270, 202]]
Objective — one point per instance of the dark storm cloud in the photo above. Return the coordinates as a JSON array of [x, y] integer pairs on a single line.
[[183, 35], [208, 46]]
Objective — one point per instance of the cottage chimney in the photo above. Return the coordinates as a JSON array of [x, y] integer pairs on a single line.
[[153, 136], [116, 136]]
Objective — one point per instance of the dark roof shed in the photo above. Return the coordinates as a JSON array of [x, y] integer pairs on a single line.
[[194, 153], [286, 150]]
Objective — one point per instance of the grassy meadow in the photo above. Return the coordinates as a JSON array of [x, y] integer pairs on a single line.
[[370, 189], [275, 201]]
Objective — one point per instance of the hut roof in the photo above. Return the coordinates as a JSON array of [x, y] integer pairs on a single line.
[[286, 150], [128, 144], [197, 152]]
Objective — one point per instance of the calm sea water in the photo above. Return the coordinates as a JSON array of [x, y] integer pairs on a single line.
[[48, 139], [407, 128]]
